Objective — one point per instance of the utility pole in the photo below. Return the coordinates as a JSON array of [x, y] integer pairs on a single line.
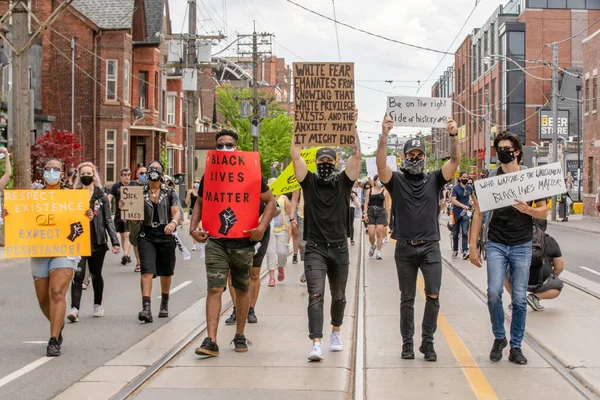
[[579, 139], [192, 96], [554, 116], [20, 98], [256, 53], [488, 138]]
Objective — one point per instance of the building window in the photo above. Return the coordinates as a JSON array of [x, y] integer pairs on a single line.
[[143, 89], [493, 41], [485, 48], [180, 113], [590, 174], [493, 101], [164, 106], [170, 161], [595, 94], [156, 86], [125, 148], [110, 155], [111, 80], [557, 3], [170, 110], [126, 89], [587, 95]]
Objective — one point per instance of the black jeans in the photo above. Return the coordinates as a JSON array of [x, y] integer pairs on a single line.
[[409, 259], [352, 212], [321, 260], [95, 263]]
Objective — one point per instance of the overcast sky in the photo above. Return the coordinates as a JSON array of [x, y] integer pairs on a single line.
[[301, 35]]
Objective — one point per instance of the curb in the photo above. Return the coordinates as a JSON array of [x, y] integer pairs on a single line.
[[572, 228]]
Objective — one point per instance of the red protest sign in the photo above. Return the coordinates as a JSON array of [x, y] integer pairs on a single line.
[[231, 193]]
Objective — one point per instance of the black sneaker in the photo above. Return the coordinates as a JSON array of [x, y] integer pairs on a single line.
[[60, 336], [496, 353], [231, 320], [124, 260], [240, 342], [428, 351], [408, 352], [53, 349], [128, 259], [516, 356], [295, 259], [208, 348], [252, 316]]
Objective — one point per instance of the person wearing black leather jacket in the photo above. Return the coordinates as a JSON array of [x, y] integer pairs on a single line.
[[102, 223]]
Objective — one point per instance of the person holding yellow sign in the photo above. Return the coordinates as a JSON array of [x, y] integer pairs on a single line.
[[52, 275]]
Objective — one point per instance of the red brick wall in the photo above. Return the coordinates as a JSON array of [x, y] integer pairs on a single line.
[[462, 60], [591, 128]]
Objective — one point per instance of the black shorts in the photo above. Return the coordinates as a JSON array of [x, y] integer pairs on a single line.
[[377, 216], [262, 250], [553, 282], [121, 226], [157, 252]]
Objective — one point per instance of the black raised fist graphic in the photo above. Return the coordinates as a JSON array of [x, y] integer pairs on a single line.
[[228, 219], [76, 231]]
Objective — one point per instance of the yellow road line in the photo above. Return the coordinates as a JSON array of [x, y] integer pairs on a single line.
[[479, 384]]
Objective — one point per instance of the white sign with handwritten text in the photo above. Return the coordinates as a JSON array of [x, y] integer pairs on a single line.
[[372, 165], [422, 112], [526, 185]]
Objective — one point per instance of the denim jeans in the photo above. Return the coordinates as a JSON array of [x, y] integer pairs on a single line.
[[325, 260], [461, 224], [500, 260], [409, 259]]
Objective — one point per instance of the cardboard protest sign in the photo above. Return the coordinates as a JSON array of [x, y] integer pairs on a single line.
[[324, 104], [526, 185], [231, 193], [287, 182], [47, 223], [372, 165], [133, 196], [422, 112]]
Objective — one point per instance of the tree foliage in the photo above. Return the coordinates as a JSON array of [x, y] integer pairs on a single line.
[[275, 131], [62, 145]]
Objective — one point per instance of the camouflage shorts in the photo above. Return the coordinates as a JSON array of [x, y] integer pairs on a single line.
[[220, 260]]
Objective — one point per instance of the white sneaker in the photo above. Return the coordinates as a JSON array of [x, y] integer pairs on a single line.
[[194, 247], [372, 250], [73, 315], [386, 239], [379, 257], [317, 352], [335, 342], [98, 311]]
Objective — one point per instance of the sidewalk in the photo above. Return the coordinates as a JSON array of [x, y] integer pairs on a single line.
[[580, 223]]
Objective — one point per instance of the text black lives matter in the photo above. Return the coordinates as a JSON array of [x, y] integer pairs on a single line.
[[227, 177]]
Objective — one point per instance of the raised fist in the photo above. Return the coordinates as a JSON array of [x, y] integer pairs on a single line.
[[228, 219], [76, 231]]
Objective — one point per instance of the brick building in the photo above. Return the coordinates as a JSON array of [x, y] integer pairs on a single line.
[[487, 69], [119, 58], [591, 122]]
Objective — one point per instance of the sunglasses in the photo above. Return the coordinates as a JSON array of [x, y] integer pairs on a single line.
[[221, 146], [142, 174], [506, 148], [126, 174], [55, 169]]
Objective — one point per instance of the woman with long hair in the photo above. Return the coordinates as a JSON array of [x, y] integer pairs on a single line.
[[102, 222], [376, 216], [53, 275]]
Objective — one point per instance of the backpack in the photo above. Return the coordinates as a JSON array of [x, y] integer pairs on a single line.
[[538, 247]]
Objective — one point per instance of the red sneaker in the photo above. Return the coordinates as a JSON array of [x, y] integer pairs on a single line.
[[281, 274]]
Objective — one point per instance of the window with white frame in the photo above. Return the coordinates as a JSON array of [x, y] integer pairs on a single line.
[[170, 160], [111, 80], [595, 94], [110, 155], [170, 110], [126, 88], [180, 112], [125, 148]]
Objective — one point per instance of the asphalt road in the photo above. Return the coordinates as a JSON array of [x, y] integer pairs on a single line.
[[90, 342]]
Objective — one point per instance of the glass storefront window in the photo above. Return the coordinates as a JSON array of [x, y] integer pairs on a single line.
[[557, 3]]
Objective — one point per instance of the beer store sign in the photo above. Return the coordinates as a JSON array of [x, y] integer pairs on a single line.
[[547, 124]]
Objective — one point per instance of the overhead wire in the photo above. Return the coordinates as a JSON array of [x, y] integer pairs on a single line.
[[575, 35]]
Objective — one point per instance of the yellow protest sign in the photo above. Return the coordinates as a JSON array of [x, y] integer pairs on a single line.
[[47, 223], [286, 182]]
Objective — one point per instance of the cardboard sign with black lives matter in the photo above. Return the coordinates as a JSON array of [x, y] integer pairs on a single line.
[[231, 193], [324, 104], [133, 209]]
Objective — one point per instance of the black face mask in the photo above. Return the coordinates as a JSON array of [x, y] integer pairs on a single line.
[[415, 165], [154, 175], [87, 180], [464, 181], [506, 157], [325, 171]]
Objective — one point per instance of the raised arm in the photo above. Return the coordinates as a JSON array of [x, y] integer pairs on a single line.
[[451, 166], [353, 163], [383, 170], [300, 170], [7, 169]]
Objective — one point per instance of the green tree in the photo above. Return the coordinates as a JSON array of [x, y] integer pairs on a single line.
[[275, 131]]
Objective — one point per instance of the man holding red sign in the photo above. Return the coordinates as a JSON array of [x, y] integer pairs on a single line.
[[228, 194]]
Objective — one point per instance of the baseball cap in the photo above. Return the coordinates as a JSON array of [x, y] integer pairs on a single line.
[[414, 144], [326, 152]]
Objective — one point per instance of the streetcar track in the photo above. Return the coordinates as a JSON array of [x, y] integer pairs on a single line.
[[565, 371]]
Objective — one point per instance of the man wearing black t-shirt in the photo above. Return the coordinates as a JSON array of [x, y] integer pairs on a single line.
[[326, 211], [229, 256], [508, 249], [120, 225], [417, 232]]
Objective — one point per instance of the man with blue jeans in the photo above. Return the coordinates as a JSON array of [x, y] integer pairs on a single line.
[[510, 233], [461, 194]]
